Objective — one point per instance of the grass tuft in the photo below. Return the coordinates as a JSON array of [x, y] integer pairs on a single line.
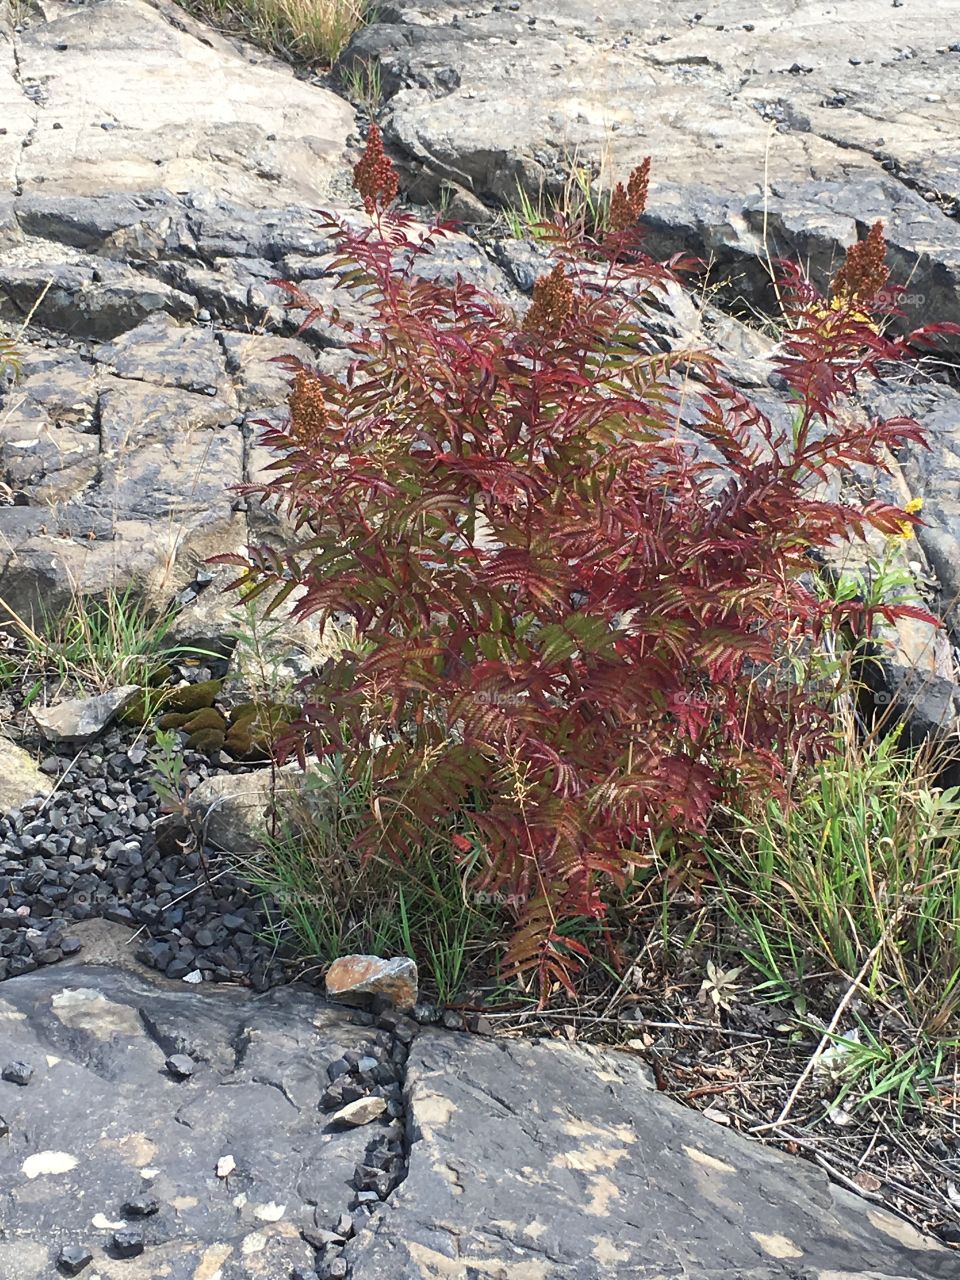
[[334, 900], [95, 643], [301, 31], [857, 877]]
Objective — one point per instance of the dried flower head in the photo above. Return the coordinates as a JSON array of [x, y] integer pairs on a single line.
[[309, 415], [628, 202], [374, 175], [552, 304], [864, 271]]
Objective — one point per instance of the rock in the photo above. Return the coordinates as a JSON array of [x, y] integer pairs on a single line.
[[180, 1066], [140, 1207], [4, 1127], [20, 779], [235, 811], [361, 1112], [150, 73], [612, 1156], [849, 143], [103, 1112], [72, 1259], [98, 451], [359, 979], [17, 1073], [127, 1243], [334, 1268], [82, 719]]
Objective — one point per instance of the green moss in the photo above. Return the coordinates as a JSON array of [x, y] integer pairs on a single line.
[[172, 720], [208, 740], [138, 711], [191, 697], [205, 718], [252, 739], [243, 711]]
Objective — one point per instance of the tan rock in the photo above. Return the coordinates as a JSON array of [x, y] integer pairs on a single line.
[[362, 1111], [142, 105], [20, 779], [355, 979]]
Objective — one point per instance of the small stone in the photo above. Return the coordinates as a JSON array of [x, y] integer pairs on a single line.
[[225, 1166], [180, 1066], [128, 1243], [345, 1226], [17, 1073], [321, 1239], [81, 719], [140, 1207], [452, 1020], [405, 1030], [363, 1111], [358, 979], [333, 1268], [72, 1258], [364, 1197]]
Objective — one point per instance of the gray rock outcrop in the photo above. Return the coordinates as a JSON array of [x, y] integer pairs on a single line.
[[782, 129], [528, 1161]]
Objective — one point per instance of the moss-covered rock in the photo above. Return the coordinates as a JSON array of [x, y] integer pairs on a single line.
[[255, 728], [192, 697], [177, 704], [205, 718], [207, 740], [140, 709]]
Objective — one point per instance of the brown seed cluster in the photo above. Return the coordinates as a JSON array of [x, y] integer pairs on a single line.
[[309, 415], [374, 175], [552, 304], [628, 203], [864, 271]]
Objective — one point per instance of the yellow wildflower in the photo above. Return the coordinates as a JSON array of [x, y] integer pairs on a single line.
[[906, 527]]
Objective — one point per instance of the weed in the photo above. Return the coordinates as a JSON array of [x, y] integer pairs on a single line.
[[104, 642], [578, 203], [364, 86], [167, 770], [564, 607], [336, 897], [862, 1066]]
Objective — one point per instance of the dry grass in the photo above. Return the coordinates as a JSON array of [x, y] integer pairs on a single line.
[[304, 31]]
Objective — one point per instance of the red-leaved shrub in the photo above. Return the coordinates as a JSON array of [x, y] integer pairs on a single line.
[[566, 615]]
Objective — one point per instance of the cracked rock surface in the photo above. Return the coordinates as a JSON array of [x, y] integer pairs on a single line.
[[107, 1137], [527, 1161], [848, 110]]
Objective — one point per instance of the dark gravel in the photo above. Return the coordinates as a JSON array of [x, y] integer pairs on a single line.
[[101, 846]]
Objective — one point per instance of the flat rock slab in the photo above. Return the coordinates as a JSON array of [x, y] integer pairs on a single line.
[[528, 1161], [126, 95], [103, 1122], [535, 1161]]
